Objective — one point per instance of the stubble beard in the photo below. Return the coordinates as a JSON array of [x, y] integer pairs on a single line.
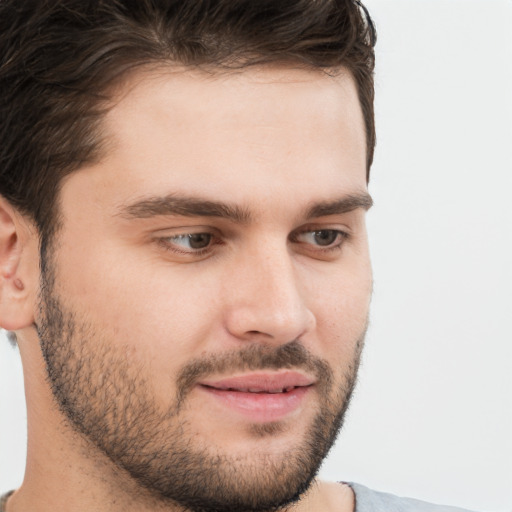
[[107, 399]]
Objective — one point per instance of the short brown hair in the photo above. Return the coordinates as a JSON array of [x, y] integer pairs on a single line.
[[58, 57]]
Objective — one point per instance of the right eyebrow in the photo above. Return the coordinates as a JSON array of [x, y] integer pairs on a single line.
[[342, 205], [184, 206]]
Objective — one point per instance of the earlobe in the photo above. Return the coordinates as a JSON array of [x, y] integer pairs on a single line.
[[17, 275]]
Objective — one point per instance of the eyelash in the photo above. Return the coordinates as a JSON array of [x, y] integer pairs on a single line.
[[340, 238], [167, 244]]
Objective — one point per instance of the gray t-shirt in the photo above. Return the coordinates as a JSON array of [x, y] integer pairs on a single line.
[[373, 501], [3, 501], [367, 501]]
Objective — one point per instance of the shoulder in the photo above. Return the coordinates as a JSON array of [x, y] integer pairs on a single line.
[[374, 501]]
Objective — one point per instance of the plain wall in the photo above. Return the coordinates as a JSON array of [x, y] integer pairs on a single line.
[[432, 414]]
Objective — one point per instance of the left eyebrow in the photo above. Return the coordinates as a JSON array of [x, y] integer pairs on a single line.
[[345, 204]]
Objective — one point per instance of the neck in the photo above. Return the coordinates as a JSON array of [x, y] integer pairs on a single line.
[[328, 497]]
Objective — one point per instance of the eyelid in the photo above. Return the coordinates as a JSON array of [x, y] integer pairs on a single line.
[[341, 236], [177, 231], [311, 228], [164, 239]]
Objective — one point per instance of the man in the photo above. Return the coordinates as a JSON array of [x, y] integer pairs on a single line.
[[183, 249]]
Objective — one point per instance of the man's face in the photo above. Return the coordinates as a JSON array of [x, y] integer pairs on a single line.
[[206, 298]]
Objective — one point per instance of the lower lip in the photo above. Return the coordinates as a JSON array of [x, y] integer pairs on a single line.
[[260, 407]]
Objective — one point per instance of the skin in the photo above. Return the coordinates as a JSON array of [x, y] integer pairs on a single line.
[[270, 141]]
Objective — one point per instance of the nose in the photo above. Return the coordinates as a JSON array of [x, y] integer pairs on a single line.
[[266, 299]]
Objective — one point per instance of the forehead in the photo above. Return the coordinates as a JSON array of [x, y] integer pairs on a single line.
[[233, 136]]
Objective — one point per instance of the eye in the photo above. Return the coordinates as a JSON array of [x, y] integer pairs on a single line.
[[323, 240], [189, 243], [324, 237], [194, 241]]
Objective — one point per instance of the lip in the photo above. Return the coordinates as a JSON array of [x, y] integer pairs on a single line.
[[260, 397]]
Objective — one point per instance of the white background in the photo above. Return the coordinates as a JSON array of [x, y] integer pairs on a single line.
[[432, 415]]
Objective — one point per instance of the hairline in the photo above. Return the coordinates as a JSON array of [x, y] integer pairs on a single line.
[[119, 87]]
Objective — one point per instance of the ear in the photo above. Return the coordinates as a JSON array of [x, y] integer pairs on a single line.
[[19, 268]]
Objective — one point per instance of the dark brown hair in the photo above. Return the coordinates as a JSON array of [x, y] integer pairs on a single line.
[[59, 57]]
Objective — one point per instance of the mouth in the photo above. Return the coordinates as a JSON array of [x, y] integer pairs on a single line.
[[260, 397], [255, 389], [264, 382]]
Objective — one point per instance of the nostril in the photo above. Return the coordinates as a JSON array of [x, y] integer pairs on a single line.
[[263, 322]]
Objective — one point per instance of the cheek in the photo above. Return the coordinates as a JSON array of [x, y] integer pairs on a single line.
[[135, 302], [342, 307]]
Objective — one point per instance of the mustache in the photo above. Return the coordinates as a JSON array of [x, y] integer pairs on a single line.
[[253, 358]]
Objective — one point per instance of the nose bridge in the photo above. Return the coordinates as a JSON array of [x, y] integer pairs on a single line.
[[267, 297]]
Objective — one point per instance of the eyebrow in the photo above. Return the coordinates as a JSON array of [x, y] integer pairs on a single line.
[[345, 204], [184, 206]]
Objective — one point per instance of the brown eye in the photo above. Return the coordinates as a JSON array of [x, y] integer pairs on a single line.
[[189, 243], [321, 239], [199, 240]]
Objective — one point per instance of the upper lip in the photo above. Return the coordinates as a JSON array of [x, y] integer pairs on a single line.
[[261, 382]]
